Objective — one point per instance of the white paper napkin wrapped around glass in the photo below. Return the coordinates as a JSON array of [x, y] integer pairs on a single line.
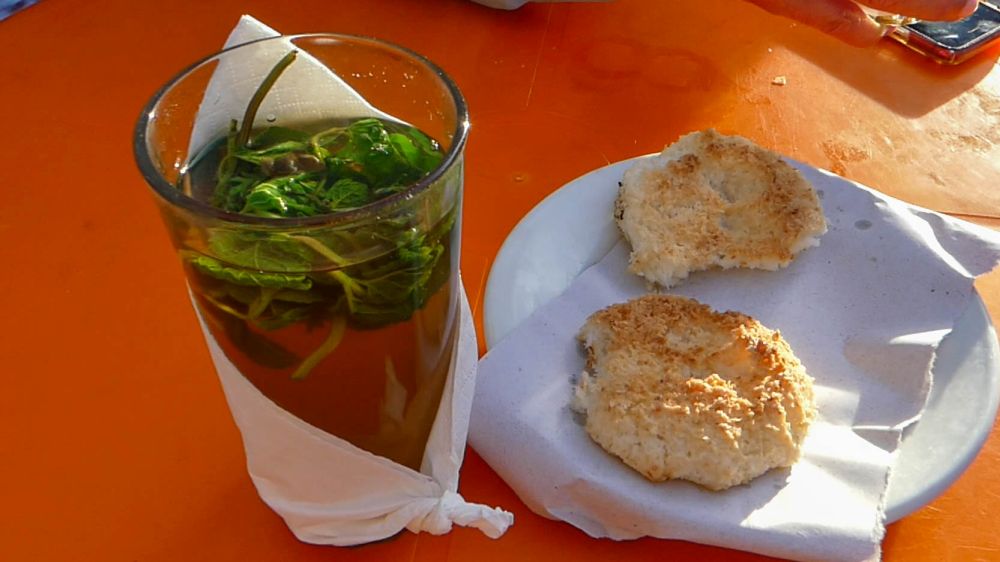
[[864, 311], [326, 489]]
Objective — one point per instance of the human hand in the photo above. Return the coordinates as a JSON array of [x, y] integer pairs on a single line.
[[846, 20]]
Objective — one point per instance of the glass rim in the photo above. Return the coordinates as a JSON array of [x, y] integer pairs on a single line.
[[176, 197]]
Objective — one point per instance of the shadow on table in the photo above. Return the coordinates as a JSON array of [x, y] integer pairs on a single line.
[[902, 80]]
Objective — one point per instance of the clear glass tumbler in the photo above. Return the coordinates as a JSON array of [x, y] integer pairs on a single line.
[[346, 320]]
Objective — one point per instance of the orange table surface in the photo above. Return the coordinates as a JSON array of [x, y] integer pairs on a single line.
[[115, 439]]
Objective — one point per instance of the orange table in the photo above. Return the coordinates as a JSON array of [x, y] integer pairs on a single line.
[[115, 440]]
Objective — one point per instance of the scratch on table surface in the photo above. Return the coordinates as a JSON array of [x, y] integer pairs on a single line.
[[766, 131], [538, 57], [977, 551], [413, 551]]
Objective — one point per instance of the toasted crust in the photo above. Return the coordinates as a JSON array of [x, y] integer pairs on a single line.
[[677, 390], [710, 201]]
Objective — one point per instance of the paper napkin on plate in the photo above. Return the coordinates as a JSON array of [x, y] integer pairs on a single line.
[[864, 312], [327, 490]]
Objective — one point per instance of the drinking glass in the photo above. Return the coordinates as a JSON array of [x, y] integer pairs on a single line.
[[348, 320]]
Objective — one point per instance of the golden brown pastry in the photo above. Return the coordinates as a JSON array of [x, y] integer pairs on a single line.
[[677, 390], [711, 200]]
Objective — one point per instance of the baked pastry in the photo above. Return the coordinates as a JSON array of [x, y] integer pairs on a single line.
[[711, 200], [677, 390]]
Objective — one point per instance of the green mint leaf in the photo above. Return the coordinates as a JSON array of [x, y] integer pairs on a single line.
[[272, 136], [419, 152], [218, 270], [428, 147], [300, 297], [292, 196], [232, 195], [347, 193], [405, 147], [271, 152], [276, 253], [383, 192], [284, 315]]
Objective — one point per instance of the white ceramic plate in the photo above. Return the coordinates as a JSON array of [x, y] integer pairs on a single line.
[[572, 229]]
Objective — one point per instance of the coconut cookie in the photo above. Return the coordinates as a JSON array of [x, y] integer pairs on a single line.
[[677, 390], [711, 200]]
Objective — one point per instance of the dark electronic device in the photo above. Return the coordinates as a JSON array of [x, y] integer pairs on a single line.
[[952, 42]]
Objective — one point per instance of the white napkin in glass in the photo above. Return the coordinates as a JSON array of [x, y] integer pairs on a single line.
[[327, 490], [864, 311], [294, 97]]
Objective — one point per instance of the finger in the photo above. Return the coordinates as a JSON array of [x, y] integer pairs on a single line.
[[934, 10], [842, 19]]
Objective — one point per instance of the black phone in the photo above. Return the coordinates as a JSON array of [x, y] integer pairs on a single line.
[[955, 41]]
